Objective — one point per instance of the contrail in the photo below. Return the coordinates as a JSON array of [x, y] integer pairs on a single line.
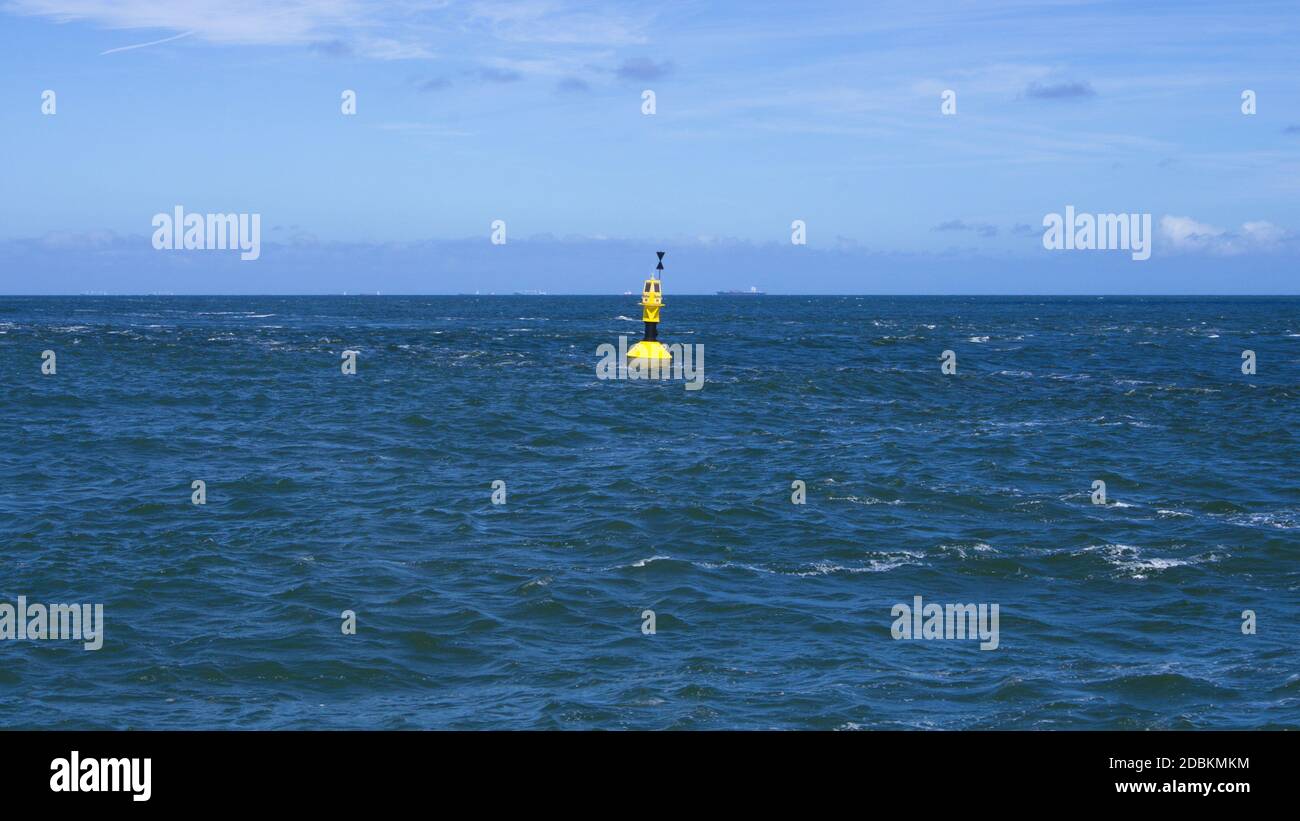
[[142, 45]]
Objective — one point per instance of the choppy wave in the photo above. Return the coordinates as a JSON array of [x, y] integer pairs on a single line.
[[373, 493]]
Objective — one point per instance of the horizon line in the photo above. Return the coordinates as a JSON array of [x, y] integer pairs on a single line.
[[1196, 295]]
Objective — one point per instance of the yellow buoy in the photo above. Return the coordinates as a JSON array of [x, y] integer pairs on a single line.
[[652, 299]]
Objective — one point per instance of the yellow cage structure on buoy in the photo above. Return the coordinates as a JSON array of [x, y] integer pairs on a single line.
[[652, 299]]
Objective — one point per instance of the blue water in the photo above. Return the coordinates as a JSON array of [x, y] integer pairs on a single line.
[[372, 493]]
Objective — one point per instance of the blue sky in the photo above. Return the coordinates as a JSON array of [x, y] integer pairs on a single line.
[[530, 112]]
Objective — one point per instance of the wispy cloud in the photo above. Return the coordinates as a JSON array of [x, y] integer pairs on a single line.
[[643, 68], [499, 75], [434, 84], [146, 45], [1059, 91], [371, 29], [559, 23], [332, 48], [572, 85], [984, 229]]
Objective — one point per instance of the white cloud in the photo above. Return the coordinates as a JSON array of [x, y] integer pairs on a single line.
[[378, 29], [1184, 234], [242, 22], [1264, 233]]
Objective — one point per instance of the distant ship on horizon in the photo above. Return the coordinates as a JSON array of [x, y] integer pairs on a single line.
[[751, 292]]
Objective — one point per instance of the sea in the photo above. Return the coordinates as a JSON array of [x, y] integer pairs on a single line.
[[477, 529]]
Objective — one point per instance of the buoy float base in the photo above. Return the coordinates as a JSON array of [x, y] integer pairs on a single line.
[[650, 349]]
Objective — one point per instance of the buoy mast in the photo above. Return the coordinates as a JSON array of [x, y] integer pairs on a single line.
[[652, 299]]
